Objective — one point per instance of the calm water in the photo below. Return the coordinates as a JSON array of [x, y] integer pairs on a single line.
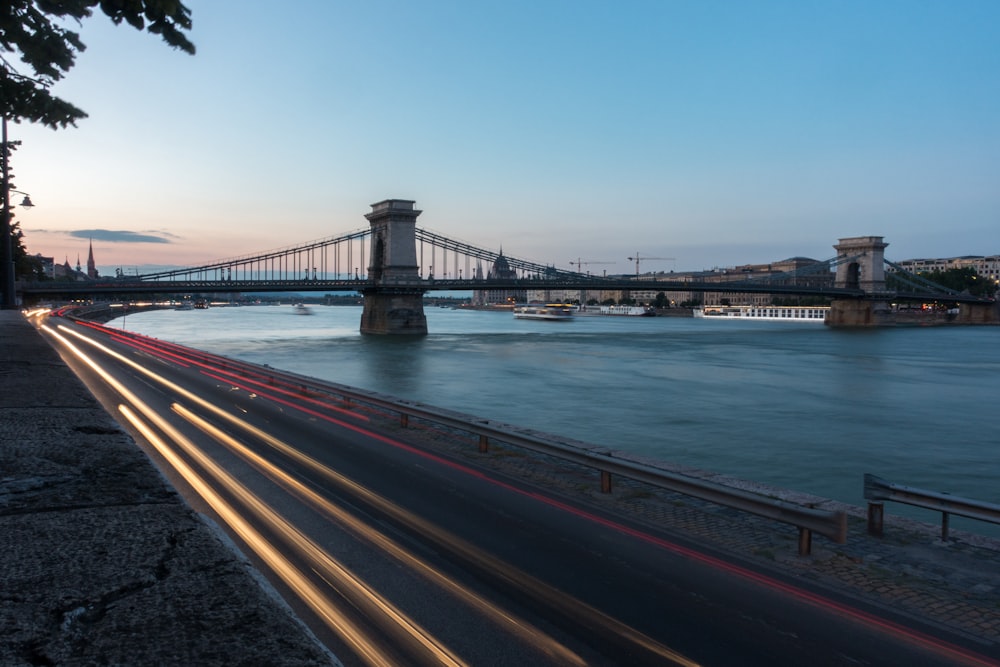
[[796, 405]]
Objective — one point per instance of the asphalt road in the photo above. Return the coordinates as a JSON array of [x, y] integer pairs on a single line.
[[394, 554]]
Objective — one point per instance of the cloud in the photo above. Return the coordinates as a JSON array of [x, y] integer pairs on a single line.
[[118, 236]]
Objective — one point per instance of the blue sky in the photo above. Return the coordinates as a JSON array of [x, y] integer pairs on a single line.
[[716, 133]]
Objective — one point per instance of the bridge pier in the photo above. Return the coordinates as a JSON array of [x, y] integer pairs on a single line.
[[859, 313], [393, 313], [978, 313], [394, 299], [861, 266], [877, 313]]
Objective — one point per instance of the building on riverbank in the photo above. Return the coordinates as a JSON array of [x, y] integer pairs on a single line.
[[985, 266], [501, 269]]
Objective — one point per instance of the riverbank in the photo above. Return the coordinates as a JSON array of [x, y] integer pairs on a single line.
[[102, 561]]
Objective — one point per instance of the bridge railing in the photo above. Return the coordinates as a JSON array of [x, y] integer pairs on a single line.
[[808, 520], [878, 489]]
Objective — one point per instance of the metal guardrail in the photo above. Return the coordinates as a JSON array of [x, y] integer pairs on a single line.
[[808, 520], [877, 489]]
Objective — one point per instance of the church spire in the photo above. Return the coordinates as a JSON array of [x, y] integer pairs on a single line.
[[91, 266]]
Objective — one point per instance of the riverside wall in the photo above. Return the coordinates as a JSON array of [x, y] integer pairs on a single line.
[[868, 313]]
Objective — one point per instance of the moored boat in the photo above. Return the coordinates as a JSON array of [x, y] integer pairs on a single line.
[[628, 311], [544, 311], [765, 313]]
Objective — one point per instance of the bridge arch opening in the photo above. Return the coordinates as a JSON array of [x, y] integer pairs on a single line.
[[852, 276]]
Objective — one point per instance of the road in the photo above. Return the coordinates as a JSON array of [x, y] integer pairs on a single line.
[[394, 554]]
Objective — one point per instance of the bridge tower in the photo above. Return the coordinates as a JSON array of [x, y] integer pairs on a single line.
[[862, 267], [394, 300], [865, 269]]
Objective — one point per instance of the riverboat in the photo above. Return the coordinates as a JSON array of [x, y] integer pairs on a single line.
[[628, 311], [544, 311], [616, 311], [765, 313]]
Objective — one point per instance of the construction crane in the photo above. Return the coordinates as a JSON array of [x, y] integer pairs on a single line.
[[580, 264], [637, 259]]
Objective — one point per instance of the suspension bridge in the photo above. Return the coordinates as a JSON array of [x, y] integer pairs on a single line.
[[393, 263]]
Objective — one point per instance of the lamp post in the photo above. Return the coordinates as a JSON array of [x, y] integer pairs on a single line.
[[8, 294], [9, 298]]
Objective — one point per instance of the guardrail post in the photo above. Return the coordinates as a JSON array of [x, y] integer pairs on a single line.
[[605, 481], [947, 504], [805, 541], [404, 419], [876, 515], [484, 444]]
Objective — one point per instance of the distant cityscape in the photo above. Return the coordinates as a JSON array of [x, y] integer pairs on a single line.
[[65, 271], [798, 267]]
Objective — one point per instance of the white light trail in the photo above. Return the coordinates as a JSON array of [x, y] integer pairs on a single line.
[[361, 593], [527, 632], [530, 585]]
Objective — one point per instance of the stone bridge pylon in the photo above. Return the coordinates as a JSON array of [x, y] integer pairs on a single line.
[[861, 265], [394, 299]]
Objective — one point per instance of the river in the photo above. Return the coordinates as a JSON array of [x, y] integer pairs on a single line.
[[795, 405]]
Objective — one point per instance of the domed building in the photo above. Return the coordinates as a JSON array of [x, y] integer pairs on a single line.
[[492, 297]]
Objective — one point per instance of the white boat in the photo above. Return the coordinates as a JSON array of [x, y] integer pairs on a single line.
[[302, 309], [765, 313], [628, 311], [544, 311]]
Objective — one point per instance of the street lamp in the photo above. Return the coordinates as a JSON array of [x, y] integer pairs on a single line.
[[7, 292]]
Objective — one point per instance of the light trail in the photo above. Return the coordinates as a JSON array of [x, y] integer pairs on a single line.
[[244, 378], [233, 379], [349, 585], [360, 594], [149, 349], [867, 620], [536, 589], [280, 565], [528, 585], [528, 633]]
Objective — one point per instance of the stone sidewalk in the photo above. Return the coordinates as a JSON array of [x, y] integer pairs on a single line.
[[101, 560]]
